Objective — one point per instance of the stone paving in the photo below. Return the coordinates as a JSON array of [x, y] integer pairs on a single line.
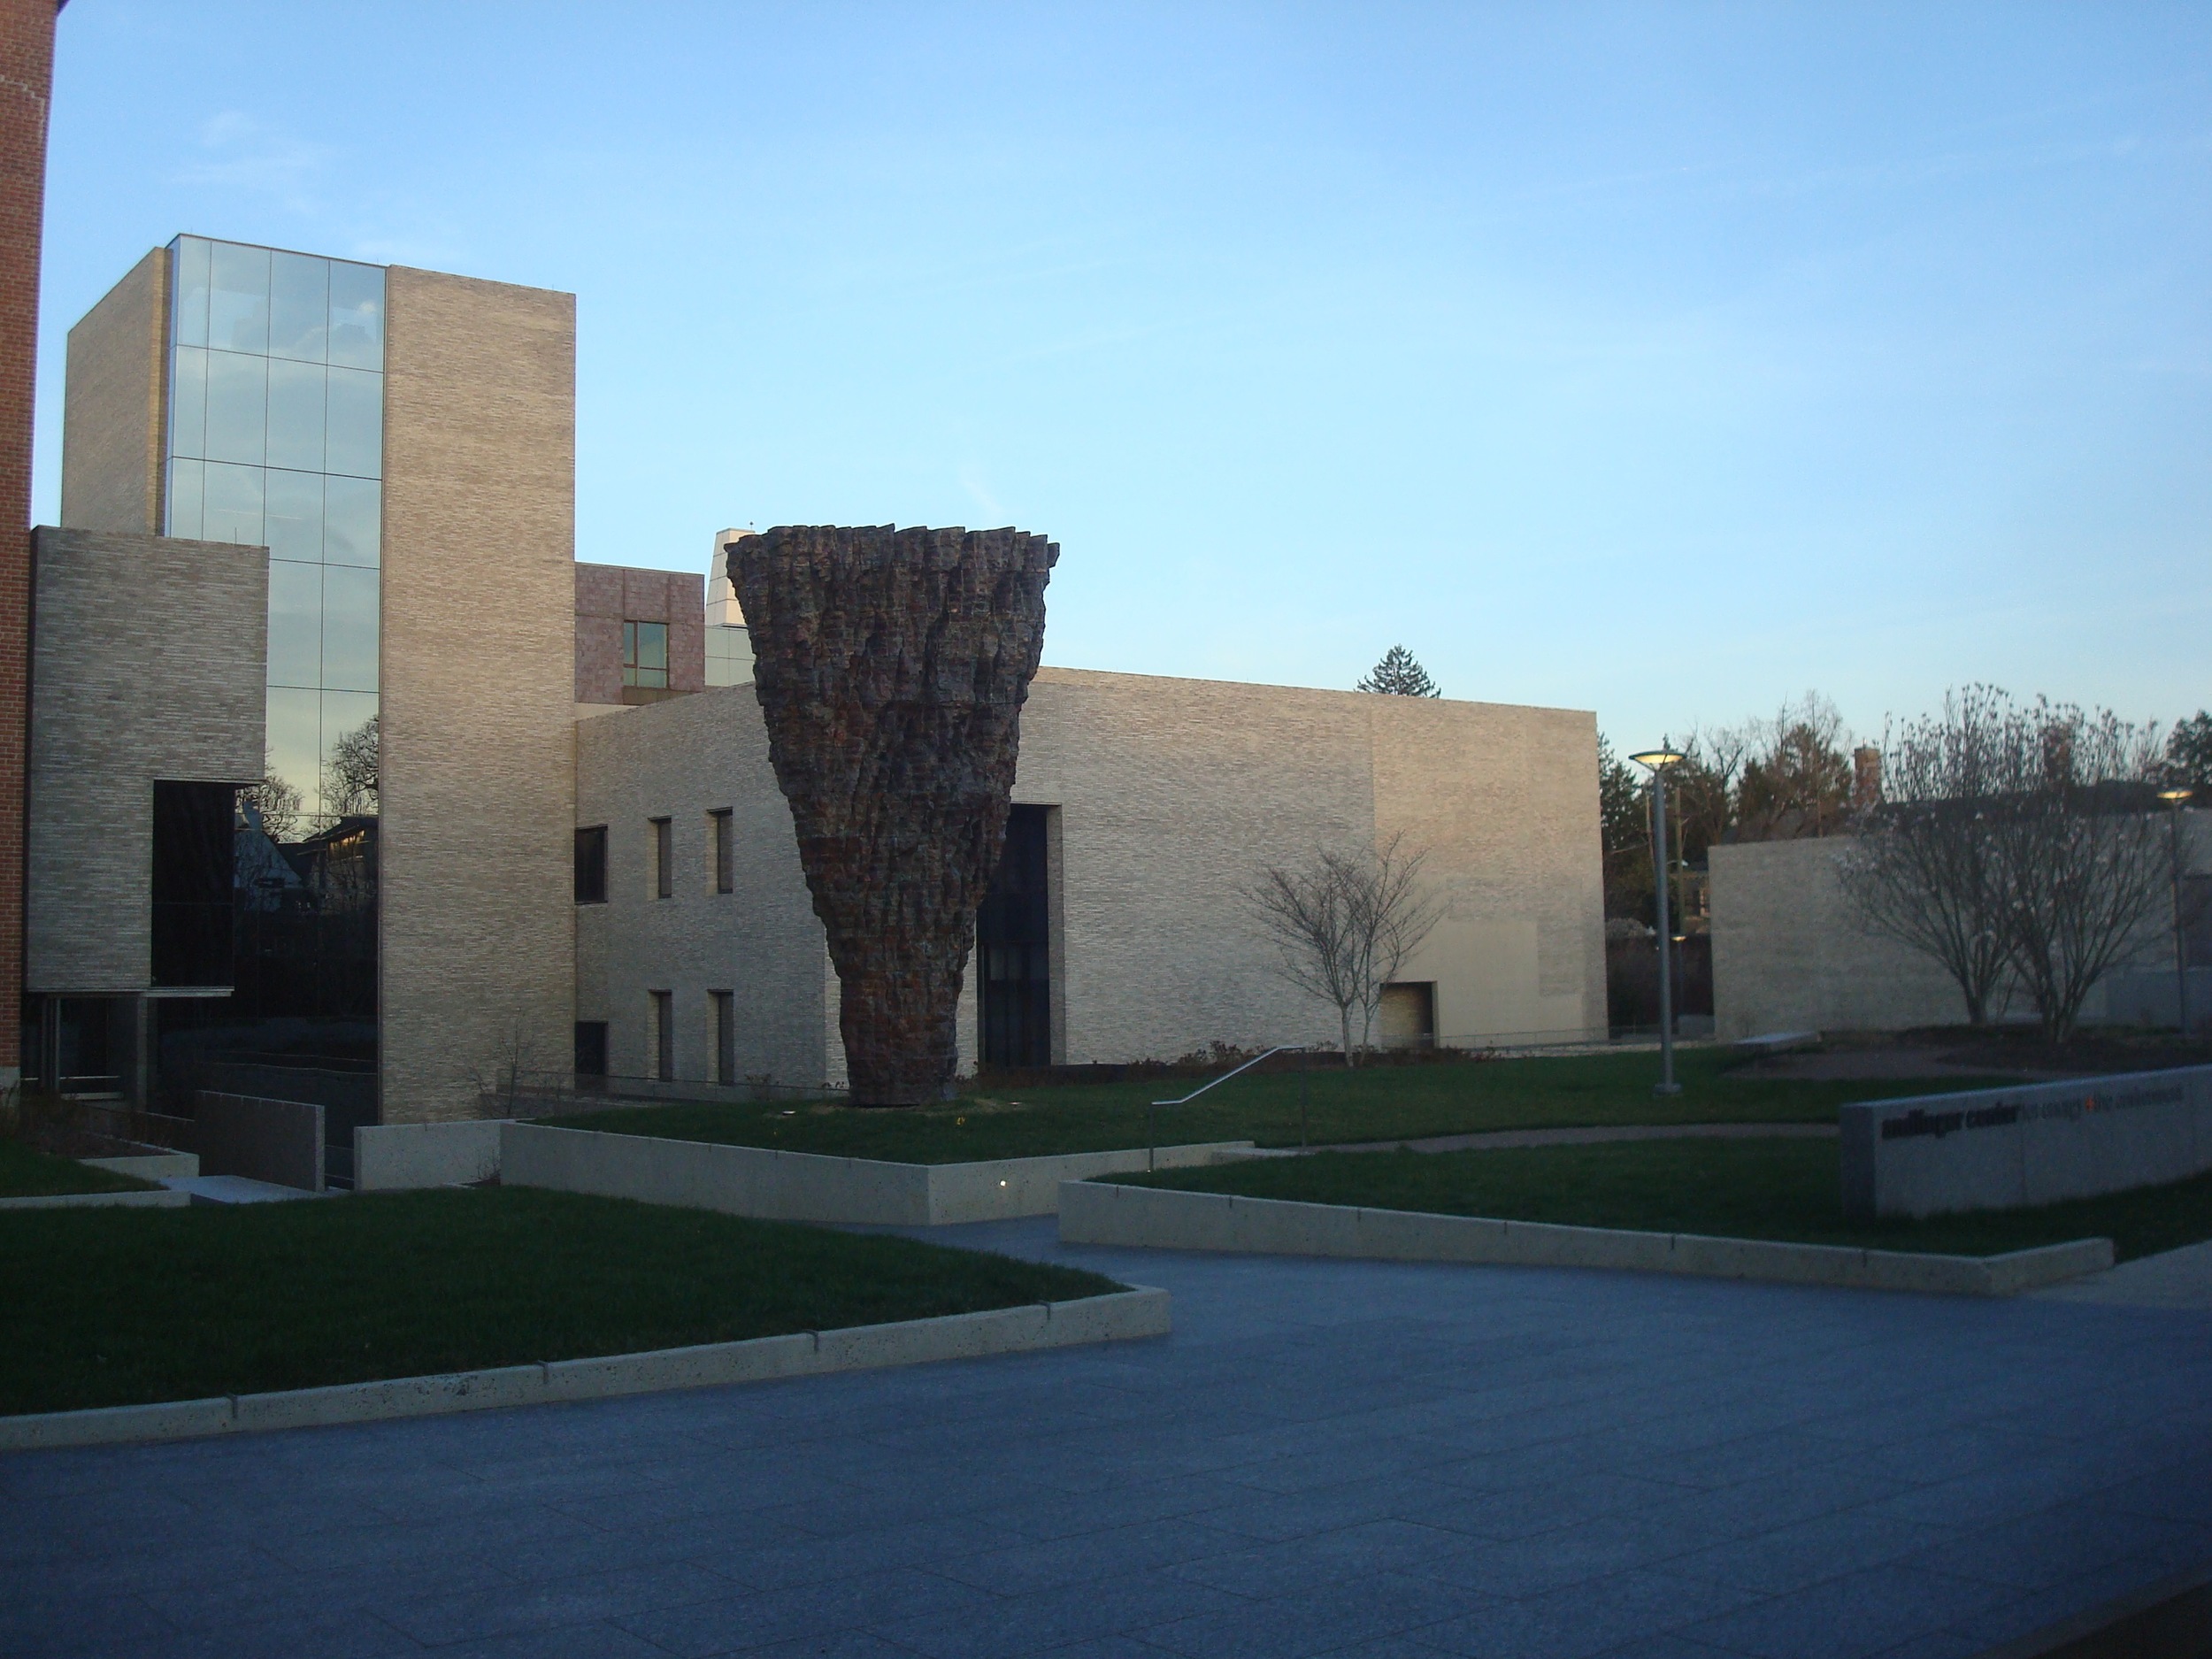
[[1350, 1457]]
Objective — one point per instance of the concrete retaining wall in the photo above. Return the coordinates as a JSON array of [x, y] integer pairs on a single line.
[[2000, 1148], [389, 1157], [278, 1141], [164, 1200], [148, 1166], [1119, 1317], [1097, 1212], [774, 1186]]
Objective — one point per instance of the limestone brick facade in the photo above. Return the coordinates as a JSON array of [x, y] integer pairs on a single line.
[[1170, 796], [113, 418], [148, 666], [477, 957]]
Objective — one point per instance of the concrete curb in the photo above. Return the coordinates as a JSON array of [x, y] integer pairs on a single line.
[[778, 1186], [1119, 1317], [164, 1200], [1098, 1212]]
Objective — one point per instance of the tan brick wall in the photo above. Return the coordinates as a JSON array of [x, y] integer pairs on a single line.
[[1172, 795], [113, 417], [148, 665], [477, 947], [680, 760], [1790, 954], [27, 71]]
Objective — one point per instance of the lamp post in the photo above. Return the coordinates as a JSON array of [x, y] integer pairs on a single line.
[[2173, 798], [1657, 761]]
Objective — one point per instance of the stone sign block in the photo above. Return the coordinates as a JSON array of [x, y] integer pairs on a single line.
[[2003, 1148]]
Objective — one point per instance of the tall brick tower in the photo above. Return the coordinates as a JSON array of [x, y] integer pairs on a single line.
[[27, 74]]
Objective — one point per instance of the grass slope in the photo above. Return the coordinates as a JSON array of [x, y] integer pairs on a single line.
[[1742, 1189], [117, 1307], [1373, 1103], [26, 1172]]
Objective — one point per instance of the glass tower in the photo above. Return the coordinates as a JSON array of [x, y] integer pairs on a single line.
[[276, 439]]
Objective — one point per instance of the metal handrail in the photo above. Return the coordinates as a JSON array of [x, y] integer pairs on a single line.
[[1152, 1133]]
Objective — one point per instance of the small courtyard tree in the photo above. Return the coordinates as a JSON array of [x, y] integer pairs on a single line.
[[1343, 925]]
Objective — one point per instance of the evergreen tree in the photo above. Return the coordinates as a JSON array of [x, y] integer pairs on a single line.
[[1398, 675], [2189, 754]]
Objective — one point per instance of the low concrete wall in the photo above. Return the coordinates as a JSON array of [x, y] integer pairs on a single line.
[[390, 1157], [1121, 1316], [1098, 1212], [775, 1185], [100, 1201], [276, 1141], [2000, 1148], [148, 1166]]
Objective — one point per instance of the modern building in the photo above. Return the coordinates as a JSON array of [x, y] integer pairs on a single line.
[[502, 813]]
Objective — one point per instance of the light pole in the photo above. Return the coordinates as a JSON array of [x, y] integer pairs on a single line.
[[1657, 761], [2173, 798]]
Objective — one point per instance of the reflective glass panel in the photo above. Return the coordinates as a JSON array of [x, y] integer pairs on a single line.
[[187, 402], [295, 415], [237, 407], [295, 616], [299, 307], [296, 743], [357, 315], [355, 444], [185, 484], [238, 299], [348, 629], [343, 711], [294, 520], [233, 504], [353, 512], [190, 254]]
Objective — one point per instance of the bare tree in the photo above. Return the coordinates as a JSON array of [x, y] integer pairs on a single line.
[[276, 800], [350, 776], [2015, 843], [1922, 869], [2081, 852], [1344, 925]]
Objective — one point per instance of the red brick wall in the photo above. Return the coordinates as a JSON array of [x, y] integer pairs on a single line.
[[26, 66]]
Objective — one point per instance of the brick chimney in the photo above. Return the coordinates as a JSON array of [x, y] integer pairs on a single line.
[[1866, 776]]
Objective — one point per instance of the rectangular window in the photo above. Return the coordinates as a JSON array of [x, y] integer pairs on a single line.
[[645, 655], [723, 1004], [591, 1049], [725, 855], [663, 858], [591, 865], [664, 1035]]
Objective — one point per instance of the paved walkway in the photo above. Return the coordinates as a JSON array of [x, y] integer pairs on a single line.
[[1376, 1459], [2179, 1279], [1495, 1138]]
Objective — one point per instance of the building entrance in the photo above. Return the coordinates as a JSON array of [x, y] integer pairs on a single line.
[[1013, 948]]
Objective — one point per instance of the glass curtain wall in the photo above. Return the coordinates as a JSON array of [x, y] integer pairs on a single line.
[[276, 439]]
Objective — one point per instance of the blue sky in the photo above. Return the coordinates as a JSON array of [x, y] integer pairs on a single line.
[[1667, 361]]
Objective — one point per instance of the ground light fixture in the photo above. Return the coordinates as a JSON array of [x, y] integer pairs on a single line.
[[2174, 798], [1659, 761]]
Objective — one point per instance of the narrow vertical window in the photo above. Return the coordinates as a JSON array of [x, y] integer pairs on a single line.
[[591, 1051], [663, 860], [724, 1004], [725, 855], [664, 1035], [591, 865]]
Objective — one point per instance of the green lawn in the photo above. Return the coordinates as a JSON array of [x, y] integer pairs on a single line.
[[1742, 1189], [1373, 1103], [26, 1172], [114, 1307]]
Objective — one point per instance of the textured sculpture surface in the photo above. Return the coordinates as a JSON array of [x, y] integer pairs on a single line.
[[891, 667]]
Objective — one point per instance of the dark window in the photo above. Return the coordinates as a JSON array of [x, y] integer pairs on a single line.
[[663, 858], [591, 865], [194, 849], [724, 1005], [725, 855], [1013, 939], [664, 1035], [591, 1047], [645, 655]]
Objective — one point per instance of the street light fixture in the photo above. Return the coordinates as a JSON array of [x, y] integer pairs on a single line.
[[2173, 798], [1659, 761]]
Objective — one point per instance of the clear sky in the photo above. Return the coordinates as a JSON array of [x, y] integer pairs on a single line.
[[1663, 360]]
